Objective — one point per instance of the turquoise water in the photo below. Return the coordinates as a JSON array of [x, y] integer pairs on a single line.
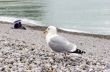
[[83, 15]]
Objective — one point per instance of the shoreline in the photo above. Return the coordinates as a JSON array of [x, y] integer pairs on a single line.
[[37, 24], [40, 28]]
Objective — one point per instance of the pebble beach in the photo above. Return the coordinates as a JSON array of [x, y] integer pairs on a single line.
[[27, 51]]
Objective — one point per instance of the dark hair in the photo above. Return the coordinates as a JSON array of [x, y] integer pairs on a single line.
[[17, 24]]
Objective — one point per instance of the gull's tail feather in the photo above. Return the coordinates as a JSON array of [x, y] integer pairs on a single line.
[[78, 51]]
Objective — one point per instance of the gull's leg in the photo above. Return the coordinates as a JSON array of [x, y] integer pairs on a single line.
[[65, 58], [65, 55]]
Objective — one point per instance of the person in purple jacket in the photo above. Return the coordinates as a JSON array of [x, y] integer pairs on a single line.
[[18, 25]]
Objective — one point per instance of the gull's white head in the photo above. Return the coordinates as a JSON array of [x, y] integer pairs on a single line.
[[51, 29], [51, 32]]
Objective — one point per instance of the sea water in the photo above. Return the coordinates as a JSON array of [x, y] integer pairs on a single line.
[[80, 15]]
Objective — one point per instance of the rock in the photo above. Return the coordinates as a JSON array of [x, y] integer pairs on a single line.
[[2, 69], [107, 70]]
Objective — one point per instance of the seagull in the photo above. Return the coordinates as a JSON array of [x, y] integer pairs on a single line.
[[60, 44]]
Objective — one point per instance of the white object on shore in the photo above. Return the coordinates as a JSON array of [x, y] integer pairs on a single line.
[[58, 43]]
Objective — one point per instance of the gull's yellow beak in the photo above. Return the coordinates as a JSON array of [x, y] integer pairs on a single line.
[[45, 31]]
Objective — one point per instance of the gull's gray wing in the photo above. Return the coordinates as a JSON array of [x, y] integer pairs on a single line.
[[60, 44]]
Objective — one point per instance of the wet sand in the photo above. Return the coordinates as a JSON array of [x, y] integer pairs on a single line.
[[27, 51]]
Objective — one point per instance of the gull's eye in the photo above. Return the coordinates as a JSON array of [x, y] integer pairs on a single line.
[[48, 28]]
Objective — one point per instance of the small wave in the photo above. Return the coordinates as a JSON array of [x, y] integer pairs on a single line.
[[73, 30], [82, 32], [24, 20]]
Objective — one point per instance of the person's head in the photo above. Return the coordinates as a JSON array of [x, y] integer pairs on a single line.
[[17, 24]]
